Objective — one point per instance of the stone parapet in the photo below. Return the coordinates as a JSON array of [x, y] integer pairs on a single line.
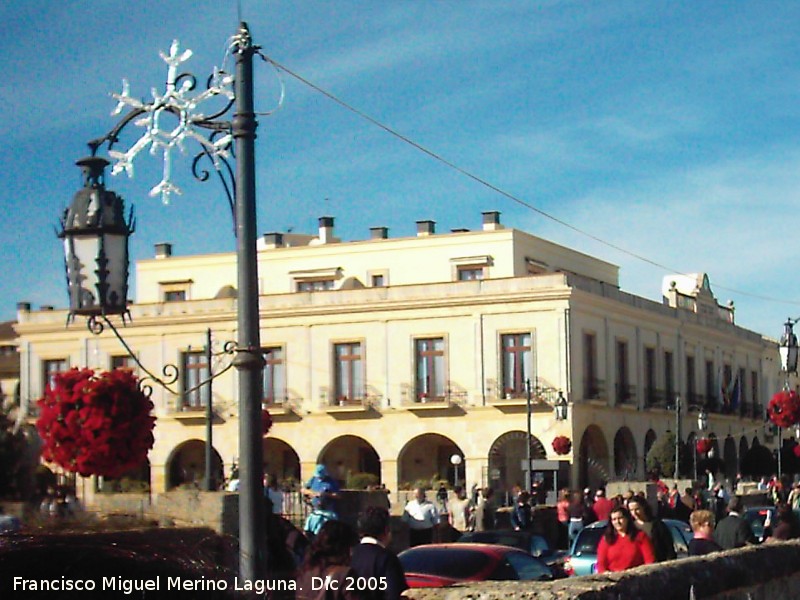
[[767, 571]]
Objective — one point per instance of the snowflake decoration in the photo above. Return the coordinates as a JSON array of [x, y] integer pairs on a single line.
[[176, 101]]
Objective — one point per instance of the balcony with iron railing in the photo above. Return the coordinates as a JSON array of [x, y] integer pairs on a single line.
[[656, 397], [542, 393], [453, 394], [360, 400], [625, 394], [593, 388]]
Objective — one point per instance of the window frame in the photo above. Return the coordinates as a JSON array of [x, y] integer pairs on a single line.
[[274, 375], [195, 369], [349, 381], [49, 373], [434, 361], [519, 357]]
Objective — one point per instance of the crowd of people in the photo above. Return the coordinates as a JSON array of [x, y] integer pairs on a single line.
[[337, 554], [635, 533]]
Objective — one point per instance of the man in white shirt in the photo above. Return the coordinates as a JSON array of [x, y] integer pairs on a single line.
[[422, 517]]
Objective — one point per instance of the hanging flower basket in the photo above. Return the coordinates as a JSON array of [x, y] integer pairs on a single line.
[[704, 445], [796, 450], [266, 421], [784, 408], [562, 445], [95, 424]]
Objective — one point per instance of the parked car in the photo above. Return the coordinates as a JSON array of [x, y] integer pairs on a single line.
[[583, 554], [533, 543], [440, 565], [756, 516]]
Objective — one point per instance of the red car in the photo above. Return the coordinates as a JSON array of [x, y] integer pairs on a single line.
[[440, 565]]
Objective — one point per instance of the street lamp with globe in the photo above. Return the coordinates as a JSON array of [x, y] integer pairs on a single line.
[[456, 460]]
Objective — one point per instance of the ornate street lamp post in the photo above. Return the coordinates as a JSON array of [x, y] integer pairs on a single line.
[[95, 236]]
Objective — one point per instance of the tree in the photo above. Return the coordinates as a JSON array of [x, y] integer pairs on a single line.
[[12, 454], [661, 457]]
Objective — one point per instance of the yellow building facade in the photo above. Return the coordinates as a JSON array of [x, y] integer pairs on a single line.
[[391, 355]]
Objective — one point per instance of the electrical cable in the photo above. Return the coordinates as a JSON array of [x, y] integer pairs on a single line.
[[500, 191]]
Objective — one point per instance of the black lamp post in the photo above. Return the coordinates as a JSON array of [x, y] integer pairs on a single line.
[[560, 409], [702, 425], [788, 350], [96, 252]]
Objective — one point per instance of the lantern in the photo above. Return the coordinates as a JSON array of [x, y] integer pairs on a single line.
[[95, 236], [788, 348]]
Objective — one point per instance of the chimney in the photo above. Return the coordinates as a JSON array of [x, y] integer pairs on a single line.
[[46, 307], [23, 307], [378, 233], [459, 230], [163, 250], [491, 220], [426, 228], [325, 230], [272, 240]]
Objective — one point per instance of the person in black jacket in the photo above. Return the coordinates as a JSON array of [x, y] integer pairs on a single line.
[[373, 561], [733, 531], [521, 517], [656, 529]]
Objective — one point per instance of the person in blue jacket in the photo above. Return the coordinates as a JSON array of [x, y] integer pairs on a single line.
[[322, 491]]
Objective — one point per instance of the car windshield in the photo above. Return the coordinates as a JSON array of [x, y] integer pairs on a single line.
[[456, 563], [587, 541]]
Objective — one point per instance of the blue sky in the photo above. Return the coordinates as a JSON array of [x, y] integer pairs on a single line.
[[670, 129]]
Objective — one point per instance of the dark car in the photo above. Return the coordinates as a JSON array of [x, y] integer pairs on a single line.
[[440, 565], [583, 554], [533, 543]]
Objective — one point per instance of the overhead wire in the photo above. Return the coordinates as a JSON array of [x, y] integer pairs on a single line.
[[487, 184]]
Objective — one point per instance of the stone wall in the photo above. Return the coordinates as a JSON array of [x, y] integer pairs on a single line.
[[217, 510], [770, 571]]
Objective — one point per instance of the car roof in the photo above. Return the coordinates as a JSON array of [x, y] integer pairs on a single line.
[[493, 549]]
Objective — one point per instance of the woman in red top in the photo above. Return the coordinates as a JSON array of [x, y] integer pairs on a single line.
[[623, 546]]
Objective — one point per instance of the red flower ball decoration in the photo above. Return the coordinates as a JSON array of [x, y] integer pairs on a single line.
[[95, 424], [266, 421], [784, 408], [703, 445], [796, 450], [562, 444]]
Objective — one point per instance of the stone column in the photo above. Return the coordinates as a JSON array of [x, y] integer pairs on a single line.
[[158, 479], [471, 471], [389, 478]]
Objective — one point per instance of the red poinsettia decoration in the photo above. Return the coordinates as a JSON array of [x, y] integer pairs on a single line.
[[266, 421], [562, 444], [95, 424], [784, 408], [796, 450], [703, 445]]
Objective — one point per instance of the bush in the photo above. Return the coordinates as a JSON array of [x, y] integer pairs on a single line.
[[361, 481]]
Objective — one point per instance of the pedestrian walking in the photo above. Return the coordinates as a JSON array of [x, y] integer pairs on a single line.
[[702, 523], [656, 529], [733, 531], [622, 545], [328, 559], [422, 517], [372, 559]]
